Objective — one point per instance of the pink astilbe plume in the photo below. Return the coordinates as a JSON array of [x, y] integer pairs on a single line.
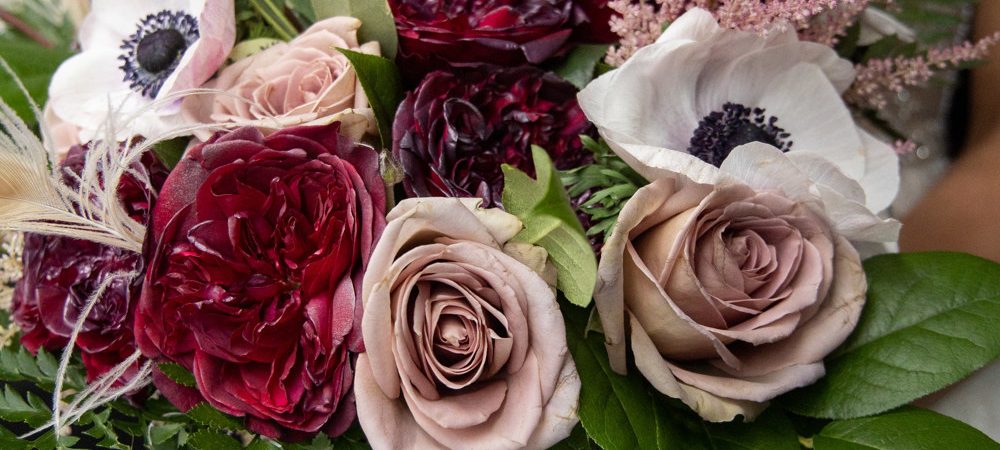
[[877, 78], [827, 29], [640, 22]]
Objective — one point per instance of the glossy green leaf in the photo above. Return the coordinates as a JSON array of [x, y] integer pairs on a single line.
[[550, 222], [579, 66], [18, 364], [382, 84], [930, 321], [909, 429], [178, 374], [170, 152], [377, 22]]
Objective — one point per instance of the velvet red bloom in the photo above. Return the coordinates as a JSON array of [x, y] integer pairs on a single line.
[[60, 274], [260, 248], [437, 34], [456, 130]]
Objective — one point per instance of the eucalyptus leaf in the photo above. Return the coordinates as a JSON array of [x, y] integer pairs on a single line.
[[930, 321], [382, 84], [580, 64], [908, 429], [550, 222], [377, 22]]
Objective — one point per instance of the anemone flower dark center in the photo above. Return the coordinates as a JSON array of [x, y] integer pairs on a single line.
[[154, 51], [157, 51], [722, 131]]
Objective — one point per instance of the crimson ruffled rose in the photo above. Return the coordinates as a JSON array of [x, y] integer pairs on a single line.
[[435, 35], [455, 131], [60, 274], [255, 274]]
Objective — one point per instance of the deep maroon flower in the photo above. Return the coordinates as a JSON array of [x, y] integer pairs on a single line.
[[436, 34], [254, 277], [60, 275], [594, 22], [455, 131]]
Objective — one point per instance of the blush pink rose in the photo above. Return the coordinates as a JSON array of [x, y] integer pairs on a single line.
[[466, 346], [729, 295], [303, 82]]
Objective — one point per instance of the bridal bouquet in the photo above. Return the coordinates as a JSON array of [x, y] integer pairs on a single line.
[[490, 224]]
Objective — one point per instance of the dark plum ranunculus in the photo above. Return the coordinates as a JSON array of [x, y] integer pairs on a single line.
[[456, 130], [437, 34], [60, 274], [260, 245]]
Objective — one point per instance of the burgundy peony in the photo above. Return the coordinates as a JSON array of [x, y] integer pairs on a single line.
[[437, 34], [453, 133], [60, 275], [254, 278]]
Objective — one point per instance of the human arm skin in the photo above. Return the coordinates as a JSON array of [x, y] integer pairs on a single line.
[[962, 212]]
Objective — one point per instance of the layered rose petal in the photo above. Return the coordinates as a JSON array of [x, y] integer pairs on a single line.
[[726, 288], [260, 247], [465, 343], [455, 131], [303, 82], [436, 35], [61, 274]]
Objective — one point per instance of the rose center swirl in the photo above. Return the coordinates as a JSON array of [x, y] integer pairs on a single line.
[[720, 132], [151, 54]]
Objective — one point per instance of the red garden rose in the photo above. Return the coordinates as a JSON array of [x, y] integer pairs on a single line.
[[255, 274], [453, 133], [437, 34], [60, 274]]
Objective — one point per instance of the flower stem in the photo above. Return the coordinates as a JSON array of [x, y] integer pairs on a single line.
[[24, 28]]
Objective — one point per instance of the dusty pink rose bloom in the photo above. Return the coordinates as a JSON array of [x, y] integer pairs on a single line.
[[466, 346], [303, 82], [731, 295]]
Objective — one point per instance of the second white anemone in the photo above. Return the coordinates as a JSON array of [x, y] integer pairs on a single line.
[[684, 103]]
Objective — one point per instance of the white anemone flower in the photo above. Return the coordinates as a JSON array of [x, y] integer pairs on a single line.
[[135, 53], [684, 103]]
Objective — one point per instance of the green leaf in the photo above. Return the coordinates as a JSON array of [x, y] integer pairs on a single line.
[[102, 429], [377, 22], [382, 84], [262, 443], [274, 14], [170, 152], [17, 364], [205, 414], [930, 321], [618, 412], [935, 21], [214, 440], [160, 434], [577, 440], [550, 222], [908, 429], [303, 8], [580, 64], [34, 65], [320, 442], [14, 408], [178, 374]]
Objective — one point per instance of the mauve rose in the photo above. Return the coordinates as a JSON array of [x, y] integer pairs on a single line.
[[732, 295], [455, 131], [303, 82], [253, 282], [437, 34], [60, 274], [466, 347]]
